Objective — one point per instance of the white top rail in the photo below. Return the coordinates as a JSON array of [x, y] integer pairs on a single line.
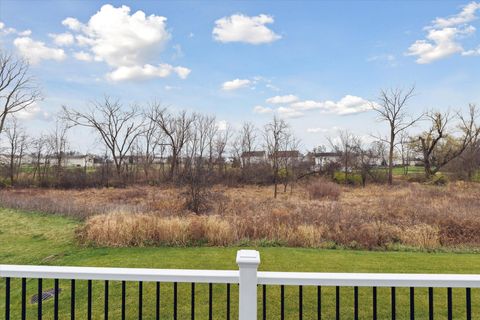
[[120, 274], [230, 276], [369, 279]]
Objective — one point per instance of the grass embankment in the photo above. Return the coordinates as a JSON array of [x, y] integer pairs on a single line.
[[30, 238]]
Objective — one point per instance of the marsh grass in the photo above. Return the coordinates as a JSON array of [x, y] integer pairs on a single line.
[[376, 217]]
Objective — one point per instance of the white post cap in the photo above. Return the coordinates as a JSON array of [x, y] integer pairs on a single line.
[[248, 257]]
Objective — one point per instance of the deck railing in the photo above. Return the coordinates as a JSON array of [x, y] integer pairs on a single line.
[[323, 298]]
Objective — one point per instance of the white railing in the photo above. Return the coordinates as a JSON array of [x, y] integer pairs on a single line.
[[247, 277]]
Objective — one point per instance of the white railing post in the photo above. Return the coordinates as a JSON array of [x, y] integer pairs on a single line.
[[248, 261]]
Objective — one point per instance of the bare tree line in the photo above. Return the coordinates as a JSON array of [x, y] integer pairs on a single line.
[[155, 144]]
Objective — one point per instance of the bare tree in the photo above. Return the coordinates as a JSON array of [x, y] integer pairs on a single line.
[[176, 129], [289, 161], [345, 145], [17, 143], [392, 108], [221, 141], [275, 133], [196, 175], [41, 155], [152, 139], [247, 141], [405, 150], [57, 141], [18, 90], [439, 145], [117, 128]]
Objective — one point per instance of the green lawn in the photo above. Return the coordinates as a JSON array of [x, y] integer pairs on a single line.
[[30, 238]]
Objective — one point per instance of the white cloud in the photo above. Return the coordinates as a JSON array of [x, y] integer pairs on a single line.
[[290, 113], [465, 16], [347, 105], [282, 99], [241, 28], [235, 84], [444, 36], [147, 71], [83, 56], [63, 39], [473, 52], [25, 33], [36, 51], [262, 110], [308, 105], [5, 30], [32, 112], [72, 24], [272, 87], [441, 43], [322, 130], [127, 42]]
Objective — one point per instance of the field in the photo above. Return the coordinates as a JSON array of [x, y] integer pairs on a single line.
[[34, 238], [315, 214]]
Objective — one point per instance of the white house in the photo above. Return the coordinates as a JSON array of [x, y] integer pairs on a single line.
[[254, 157], [321, 159]]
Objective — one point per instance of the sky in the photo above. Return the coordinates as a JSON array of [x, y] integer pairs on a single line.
[[318, 64]]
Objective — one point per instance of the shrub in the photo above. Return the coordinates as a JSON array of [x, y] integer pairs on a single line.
[[421, 236], [321, 189]]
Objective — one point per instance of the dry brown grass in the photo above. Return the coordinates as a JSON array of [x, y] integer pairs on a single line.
[[323, 189], [377, 216]]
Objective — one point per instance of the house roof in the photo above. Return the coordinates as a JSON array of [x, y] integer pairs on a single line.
[[251, 154], [327, 154], [287, 154]]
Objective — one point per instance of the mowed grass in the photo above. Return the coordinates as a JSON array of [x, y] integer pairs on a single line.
[[32, 238]]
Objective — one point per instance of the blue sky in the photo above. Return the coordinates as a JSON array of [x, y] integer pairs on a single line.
[[324, 61]]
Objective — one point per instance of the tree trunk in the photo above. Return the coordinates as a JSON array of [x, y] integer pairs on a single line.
[[390, 158]]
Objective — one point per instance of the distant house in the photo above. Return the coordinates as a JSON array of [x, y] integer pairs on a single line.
[[254, 157], [322, 159], [78, 161], [288, 154], [161, 160]]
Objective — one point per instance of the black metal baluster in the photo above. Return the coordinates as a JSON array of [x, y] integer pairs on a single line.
[[394, 313], [39, 306], [300, 302], [106, 301], [228, 301], [89, 299], [264, 302], [72, 299], [7, 298], [157, 302], [412, 303], [468, 300], [175, 301], [24, 299], [210, 301], [355, 303], [192, 312], [55, 299], [449, 303], [374, 307], [319, 303], [337, 303], [124, 297], [430, 303], [282, 302], [140, 300]]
